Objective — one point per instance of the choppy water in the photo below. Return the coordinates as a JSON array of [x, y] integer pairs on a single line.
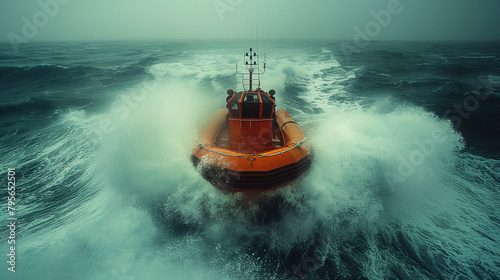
[[404, 182]]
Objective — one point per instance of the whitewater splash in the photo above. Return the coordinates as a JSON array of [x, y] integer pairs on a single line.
[[129, 204]]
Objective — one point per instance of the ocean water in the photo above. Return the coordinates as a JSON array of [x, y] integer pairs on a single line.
[[404, 182]]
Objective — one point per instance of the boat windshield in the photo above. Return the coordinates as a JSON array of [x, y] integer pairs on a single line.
[[233, 106], [250, 107], [267, 106]]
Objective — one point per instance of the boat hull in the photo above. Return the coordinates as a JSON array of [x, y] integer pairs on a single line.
[[228, 179], [232, 170]]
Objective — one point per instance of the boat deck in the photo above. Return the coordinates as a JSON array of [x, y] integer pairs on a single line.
[[222, 138]]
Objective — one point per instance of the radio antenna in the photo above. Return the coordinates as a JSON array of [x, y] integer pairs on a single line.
[[258, 57], [251, 78], [264, 42]]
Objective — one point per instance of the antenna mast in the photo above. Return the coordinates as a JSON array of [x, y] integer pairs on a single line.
[[248, 79]]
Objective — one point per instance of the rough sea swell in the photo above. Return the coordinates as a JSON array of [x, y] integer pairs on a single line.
[[100, 135]]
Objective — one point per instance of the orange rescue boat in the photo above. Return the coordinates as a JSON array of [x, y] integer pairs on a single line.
[[250, 146]]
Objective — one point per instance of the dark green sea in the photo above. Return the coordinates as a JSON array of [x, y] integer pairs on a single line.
[[404, 183]]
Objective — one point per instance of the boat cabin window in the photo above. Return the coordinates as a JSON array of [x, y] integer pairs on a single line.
[[250, 107], [267, 106], [233, 106]]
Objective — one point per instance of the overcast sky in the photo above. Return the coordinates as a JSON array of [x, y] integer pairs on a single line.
[[236, 19]]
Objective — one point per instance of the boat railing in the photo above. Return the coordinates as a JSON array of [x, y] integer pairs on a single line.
[[251, 78], [297, 145]]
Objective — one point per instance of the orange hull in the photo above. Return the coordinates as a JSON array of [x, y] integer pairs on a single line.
[[253, 164]]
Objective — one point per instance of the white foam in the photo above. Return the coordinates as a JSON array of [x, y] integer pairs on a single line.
[[148, 188]]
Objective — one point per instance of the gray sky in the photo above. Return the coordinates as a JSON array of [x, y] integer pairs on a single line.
[[236, 19]]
